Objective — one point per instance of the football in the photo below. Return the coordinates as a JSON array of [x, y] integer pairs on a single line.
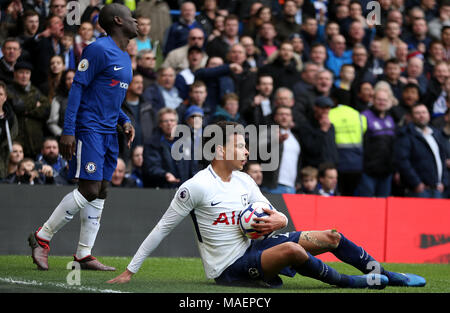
[[246, 219]]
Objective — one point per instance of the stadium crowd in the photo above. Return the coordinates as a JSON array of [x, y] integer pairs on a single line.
[[360, 92]]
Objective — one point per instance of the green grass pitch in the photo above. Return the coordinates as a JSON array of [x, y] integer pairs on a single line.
[[183, 275]]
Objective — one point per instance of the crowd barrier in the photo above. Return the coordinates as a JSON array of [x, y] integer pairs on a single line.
[[400, 230]]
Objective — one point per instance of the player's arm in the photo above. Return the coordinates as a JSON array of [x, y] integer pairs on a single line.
[[128, 128]]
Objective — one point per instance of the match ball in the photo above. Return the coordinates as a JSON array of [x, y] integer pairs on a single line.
[[247, 216]]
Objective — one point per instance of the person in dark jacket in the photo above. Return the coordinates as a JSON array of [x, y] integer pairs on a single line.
[[317, 135], [419, 155], [378, 148], [8, 130], [160, 169]]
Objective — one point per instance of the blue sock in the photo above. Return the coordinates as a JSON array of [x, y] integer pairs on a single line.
[[315, 268], [356, 256]]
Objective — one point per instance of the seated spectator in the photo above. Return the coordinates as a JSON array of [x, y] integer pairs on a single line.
[[163, 93], [419, 156], [317, 135], [258, 111], [11, 51], [228, 111], [31, 107], [177, 33], [401, 54], [197, 96], [119, 179], [8, 130], [186, 77], [160, 169], [177, 58], [309, 179], [15, 156], [253, 169], [328, 180], [287, 175], [376, 61], [379, 139], [28, 173], [137, 160], [58, 105], [50, 156], [146, 66]]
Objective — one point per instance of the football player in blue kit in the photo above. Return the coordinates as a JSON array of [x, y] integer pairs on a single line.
[[89, 140]]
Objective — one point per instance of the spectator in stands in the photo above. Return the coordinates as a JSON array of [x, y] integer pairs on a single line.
[[219, 27], [59, 8], [50, 156], [391, 40], [49, 86], [8, 129], [258, 110], [350, 127], [436, 24], [119, 178], [358, 35], [378, 148], [132, 52], [30, 20], [220, 46], [364, 97], [137, 160], [284, 68], [436, 54], [287, 175], [375, 63], [414, 73], [318, 55], [434, 97], [177, 34], [306, 82], [419, 39], [68, 54], [253, 168], [28, 174], [84, 37], [309, 179], [11, 51], [186, 77], [45, 45], [254, 57], [160, 169], [163, 93], [267, 43], [338, 55], [259, 14], [419, 154], [177, 58], [144, 42], [362, 66], [439, 119], [401, 113], [146, 66], [317, 135], [228, 111], [58, 105], [401, 54], [286, 24], [193, 117], [328, 180], [207, 15], [15, 156], [391, 75], [31, 107], [342, 93], [197, 97]]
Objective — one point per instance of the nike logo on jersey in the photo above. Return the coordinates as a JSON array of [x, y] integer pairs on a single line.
[[117, 68], [247, 219], [214, 204]]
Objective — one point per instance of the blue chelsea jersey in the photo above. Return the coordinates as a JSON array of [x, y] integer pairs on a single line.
[[104, 74]]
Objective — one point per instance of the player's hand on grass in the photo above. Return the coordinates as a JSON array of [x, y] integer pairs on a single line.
[[67, 144], [270, 223], [123, 278], [129, 132]]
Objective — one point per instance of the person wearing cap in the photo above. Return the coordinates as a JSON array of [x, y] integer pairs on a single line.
[[193, 117], [317, 134], [31, 107]]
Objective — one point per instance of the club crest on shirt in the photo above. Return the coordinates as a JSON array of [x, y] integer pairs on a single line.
[[90, 167], [83, 66], [244, 199], [183, 194]]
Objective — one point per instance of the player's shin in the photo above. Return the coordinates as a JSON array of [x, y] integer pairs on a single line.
[[350, 253], [90, 217], [63, 214]]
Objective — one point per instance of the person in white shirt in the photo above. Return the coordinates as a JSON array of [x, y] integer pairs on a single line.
[[214, 198]]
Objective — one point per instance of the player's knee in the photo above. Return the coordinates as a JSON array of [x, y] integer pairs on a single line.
[[333, 238], [90, 191], [294, 252]]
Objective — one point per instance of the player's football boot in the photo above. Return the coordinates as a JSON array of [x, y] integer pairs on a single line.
[[371, 281], [91, 263], [39, 251], [405, 279]]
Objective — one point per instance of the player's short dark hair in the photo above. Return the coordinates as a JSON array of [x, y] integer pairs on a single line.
[[324, 167]]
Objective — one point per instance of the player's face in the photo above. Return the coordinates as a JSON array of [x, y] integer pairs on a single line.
[[236, 153], [129, 24]]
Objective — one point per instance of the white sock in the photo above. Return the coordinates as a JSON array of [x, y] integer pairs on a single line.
[[63, 214], [90, 217]]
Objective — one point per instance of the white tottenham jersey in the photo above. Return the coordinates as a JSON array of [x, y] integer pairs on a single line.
[[214, 206]]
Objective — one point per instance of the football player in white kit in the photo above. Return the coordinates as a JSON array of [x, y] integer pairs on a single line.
[[214, 198]]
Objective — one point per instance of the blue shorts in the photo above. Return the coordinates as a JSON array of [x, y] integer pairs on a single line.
[[95, 156], [247, 269]]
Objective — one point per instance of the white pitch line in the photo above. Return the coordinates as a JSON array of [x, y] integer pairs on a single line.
[[10, 280]]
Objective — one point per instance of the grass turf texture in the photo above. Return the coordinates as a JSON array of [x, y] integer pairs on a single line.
[[185, 275]]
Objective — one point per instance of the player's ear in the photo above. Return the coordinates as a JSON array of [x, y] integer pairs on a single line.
[[118, 20]]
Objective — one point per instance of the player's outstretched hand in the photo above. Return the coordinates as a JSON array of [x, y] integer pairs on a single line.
[[129, 132], [67, 144], [270, 223], [123, 278]]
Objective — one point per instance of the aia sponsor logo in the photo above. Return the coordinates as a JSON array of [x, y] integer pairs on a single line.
[[114, 83]]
